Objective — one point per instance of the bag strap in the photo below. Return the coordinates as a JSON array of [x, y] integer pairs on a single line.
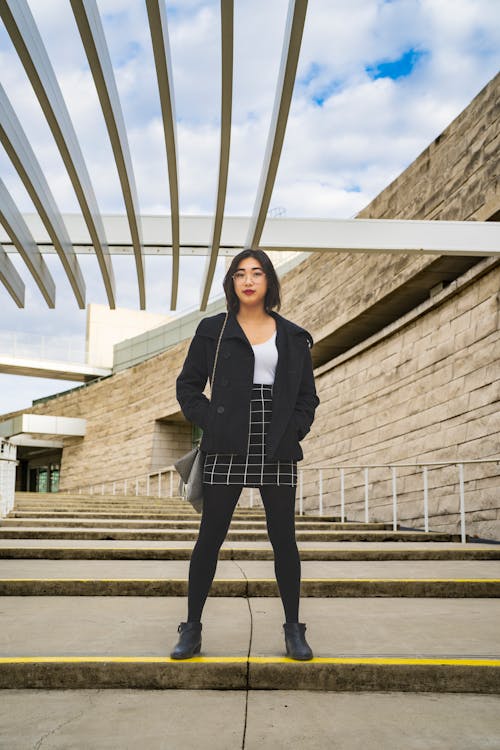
[[217, 355]]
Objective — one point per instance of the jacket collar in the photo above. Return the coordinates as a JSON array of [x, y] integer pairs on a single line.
[[233, 329]]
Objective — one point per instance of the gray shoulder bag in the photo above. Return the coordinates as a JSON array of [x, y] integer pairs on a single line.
[[190, 466]]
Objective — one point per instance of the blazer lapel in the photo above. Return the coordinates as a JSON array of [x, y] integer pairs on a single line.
[[234, 330]]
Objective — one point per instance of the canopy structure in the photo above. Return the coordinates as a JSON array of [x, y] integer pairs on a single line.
[[69, 236]]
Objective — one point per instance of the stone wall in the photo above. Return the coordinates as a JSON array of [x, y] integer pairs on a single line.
[[427, 389]]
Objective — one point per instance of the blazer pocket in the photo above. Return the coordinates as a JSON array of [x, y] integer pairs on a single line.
[[298, 428]]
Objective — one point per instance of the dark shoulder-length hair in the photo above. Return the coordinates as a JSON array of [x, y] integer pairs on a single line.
[[273, 294]]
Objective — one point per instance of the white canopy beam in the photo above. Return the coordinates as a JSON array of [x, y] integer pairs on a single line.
[[26, 38], [227, 14], [161, 50], [22, 239], [92, 34], [24, 160], [11, 279], [284, 90], [473, 238], [383, 235]]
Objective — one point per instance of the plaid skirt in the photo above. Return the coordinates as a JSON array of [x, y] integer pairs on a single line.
[[250, 469]]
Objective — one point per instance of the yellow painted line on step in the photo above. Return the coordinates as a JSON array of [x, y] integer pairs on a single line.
[[375, 660]]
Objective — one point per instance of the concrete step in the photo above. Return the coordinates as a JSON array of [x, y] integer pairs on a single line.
[[55, 496], [145, 515], [260, 720], [435, 645], [252, 578], [57, 500], [249, 535], [108, 506], [52, 550], [139, 523], [322, 588]]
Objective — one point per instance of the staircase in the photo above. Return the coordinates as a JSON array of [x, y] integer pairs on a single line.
[[386, 610], [92, 589]]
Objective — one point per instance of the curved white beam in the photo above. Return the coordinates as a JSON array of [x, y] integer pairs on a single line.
[[92, 34], [225, 142], [157, 18], [24, 160], [284, 90], [11, 279], [26, 38], [21, 237]]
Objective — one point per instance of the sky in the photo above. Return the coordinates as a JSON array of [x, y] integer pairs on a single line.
[[377, 81]]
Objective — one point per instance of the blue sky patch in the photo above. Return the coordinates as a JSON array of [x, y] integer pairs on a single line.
[[312, 72], [395, 69], [319, 91], [325, 92]]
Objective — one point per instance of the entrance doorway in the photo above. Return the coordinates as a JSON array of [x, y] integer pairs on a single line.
[[38, 470]]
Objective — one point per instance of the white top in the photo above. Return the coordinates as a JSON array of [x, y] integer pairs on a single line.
[[266, 359]]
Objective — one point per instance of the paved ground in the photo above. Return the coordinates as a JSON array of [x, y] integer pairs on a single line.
[[235, 626], [258, 720], [235, 544], [249, 568]]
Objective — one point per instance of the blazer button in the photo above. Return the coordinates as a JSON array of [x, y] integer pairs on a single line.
[[225, 381], [226, 355], [220, 410]]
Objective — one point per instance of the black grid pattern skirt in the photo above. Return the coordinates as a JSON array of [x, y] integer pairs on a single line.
[[251, 470]]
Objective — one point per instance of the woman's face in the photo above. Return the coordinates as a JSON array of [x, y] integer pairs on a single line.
[[250, 283]]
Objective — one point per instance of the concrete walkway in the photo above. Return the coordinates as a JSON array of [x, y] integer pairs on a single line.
[[229, 569], [234, 626], [259, 720]]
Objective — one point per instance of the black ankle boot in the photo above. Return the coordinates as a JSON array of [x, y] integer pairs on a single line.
[[189, 642], [296, 645]]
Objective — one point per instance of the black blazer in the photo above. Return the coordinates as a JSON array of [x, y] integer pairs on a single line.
[[225, 419]]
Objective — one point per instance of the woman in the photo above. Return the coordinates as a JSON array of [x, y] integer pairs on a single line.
[[262, 404]]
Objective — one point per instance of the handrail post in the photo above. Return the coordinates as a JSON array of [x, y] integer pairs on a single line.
[[426, 500], [301, 492], [462, 503], [321, 492], [394, 501], [342, 496], [366, 495]]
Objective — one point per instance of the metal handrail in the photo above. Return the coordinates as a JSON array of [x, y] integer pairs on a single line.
[[145, 481], [134, 482], [424, 465]]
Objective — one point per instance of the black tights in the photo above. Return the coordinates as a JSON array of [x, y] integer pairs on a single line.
[[219, 502]]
